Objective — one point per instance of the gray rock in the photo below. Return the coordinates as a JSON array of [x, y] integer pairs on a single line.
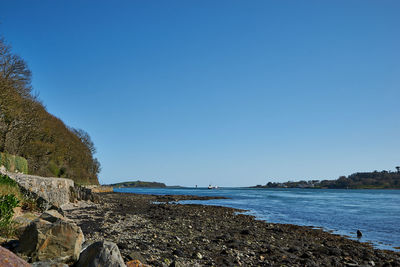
[[134, 255], [52, 216], [101, 253], [82, 193], [48, 264], [178, 263], [199, 256], [23, 221], [52, 238]]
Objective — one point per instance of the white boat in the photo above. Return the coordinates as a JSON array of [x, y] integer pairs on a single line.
[[212, 187]]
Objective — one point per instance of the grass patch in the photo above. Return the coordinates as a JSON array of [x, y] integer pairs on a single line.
[[10, 187], [10, 190], [14, 163]]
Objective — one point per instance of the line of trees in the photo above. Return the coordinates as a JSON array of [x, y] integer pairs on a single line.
[[368, 180], [28, 130], [139, 184]]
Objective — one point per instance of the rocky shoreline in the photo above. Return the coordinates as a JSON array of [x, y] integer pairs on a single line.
[[157, 231]]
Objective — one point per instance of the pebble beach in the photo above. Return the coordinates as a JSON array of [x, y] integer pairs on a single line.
[[158, 231]]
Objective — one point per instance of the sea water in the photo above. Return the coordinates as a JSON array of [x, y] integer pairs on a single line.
[[376, 213]]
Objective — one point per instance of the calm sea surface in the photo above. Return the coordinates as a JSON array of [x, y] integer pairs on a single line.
[[375, 212]]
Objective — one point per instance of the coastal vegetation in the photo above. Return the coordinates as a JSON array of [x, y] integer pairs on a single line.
[[7, 204], [28, 131], [360, 180], [13, 163], [9, 186], [10, 198]]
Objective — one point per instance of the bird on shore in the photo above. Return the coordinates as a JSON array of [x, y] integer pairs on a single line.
[[359, 234]]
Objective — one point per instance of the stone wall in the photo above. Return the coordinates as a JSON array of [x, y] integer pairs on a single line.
[[102, 189], [83, 193], [54, 190]]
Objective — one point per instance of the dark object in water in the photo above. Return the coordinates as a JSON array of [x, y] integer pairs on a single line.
[[359, 234]]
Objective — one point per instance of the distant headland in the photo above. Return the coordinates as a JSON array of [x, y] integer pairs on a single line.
[[139, 184], [360, 180]]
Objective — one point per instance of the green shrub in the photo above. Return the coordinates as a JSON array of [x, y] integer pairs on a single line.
[[7, 205], [5, 180], [21, 164], [14, 163], [9, 186], [5, 160], [53, 168]]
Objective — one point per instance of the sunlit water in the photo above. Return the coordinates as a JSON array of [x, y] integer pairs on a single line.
[[375, 212]]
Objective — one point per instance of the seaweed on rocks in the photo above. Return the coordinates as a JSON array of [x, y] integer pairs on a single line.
[[171, 233]]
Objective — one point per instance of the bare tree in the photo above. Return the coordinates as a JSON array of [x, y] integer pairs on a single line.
[[85, 138], [17, 105], [14, 69]]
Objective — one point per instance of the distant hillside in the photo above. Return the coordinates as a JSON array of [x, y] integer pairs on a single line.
[[360, 180], [139, 184]]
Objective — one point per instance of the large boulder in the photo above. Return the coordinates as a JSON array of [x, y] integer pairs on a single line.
[[9, 259], [51, 237], [23, 220], [52, 216], [102, 253]]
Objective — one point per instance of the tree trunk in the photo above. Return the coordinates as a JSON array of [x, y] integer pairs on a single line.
[[3, 141]]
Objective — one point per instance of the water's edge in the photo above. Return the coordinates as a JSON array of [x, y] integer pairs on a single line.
[[341, 212]]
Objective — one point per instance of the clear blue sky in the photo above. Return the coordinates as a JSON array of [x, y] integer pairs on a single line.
[[231, 92]]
